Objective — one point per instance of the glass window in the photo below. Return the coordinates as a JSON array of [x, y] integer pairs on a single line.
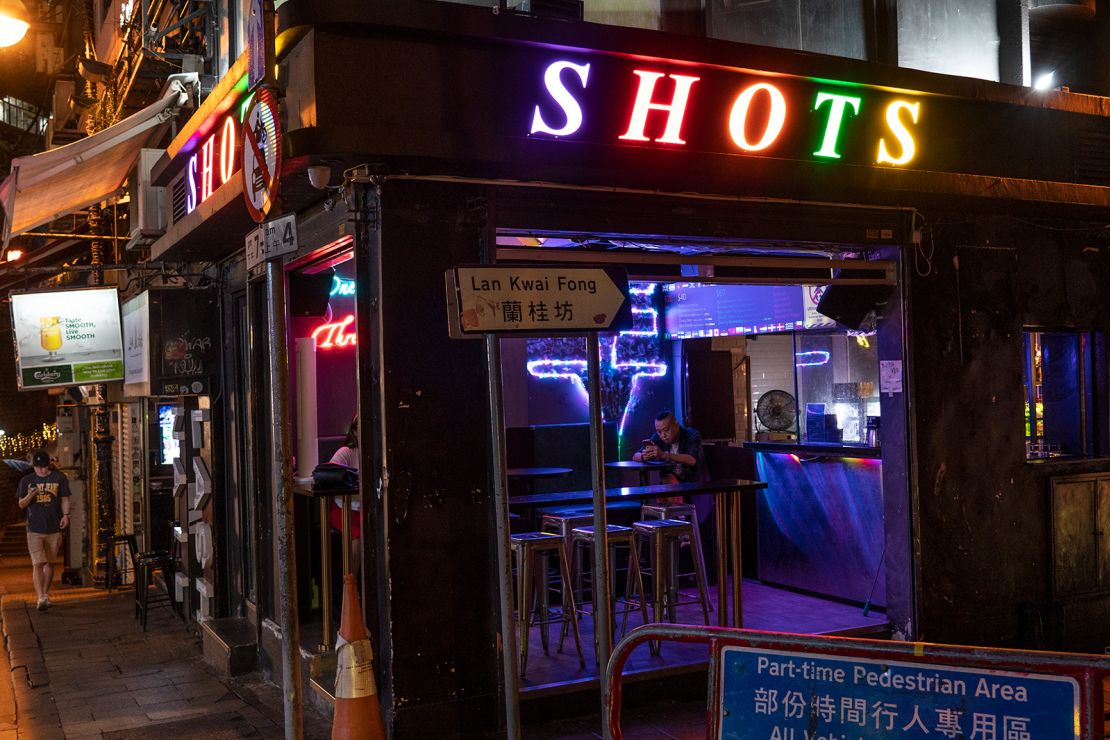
[[834, 377], [1064, 377], [838, 380]]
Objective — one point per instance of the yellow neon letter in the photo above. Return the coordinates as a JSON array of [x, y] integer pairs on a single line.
[[739, 116], [901, 133]]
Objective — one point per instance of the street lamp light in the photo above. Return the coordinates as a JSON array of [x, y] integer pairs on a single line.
[[14, 22]]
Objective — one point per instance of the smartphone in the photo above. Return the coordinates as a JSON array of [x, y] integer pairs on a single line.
[[645, 443]]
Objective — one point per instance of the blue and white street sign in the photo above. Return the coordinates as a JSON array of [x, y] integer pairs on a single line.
[[778, 695]]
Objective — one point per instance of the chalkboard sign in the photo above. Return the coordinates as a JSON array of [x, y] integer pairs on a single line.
[[173, 346], [188, 344]]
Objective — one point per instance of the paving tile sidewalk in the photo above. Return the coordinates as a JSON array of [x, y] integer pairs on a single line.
[[85, 669]]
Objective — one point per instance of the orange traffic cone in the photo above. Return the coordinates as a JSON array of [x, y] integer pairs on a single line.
[[357, 714]]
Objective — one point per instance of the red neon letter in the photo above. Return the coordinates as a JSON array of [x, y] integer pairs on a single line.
[[333, 335], [227, 150], [207, 155], [676, 109], [738, 119]]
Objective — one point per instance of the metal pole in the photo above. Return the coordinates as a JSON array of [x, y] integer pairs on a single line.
[[735, 551], [504, 557], [102, 436], [603, 616], [345, 533], [325, 570], [282, 482], [720, 511]]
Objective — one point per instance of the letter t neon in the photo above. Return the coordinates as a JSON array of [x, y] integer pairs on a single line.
[[837, 104]]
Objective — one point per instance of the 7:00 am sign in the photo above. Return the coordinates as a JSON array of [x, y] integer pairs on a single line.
[[541, 300]]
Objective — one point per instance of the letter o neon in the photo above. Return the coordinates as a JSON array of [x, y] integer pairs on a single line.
[[227, 150], [739, 116]]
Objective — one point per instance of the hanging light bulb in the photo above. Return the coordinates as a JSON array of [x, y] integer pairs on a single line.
[[14, 22]]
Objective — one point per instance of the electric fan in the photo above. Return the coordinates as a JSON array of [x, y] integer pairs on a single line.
[[776, 411]]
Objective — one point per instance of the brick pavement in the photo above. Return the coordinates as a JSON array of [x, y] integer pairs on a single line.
[[85, 669]]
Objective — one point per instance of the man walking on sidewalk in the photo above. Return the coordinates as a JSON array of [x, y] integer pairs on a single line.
[[44, 493]]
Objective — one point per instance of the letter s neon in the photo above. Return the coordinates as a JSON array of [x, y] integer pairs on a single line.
[[562, 96], [901, 133]]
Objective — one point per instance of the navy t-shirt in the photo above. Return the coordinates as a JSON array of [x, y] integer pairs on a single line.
[[44, 513]]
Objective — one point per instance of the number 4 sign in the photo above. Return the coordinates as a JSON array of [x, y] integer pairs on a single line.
[[271, 239], [261, 155]]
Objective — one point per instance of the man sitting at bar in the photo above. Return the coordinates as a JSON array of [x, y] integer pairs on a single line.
[[676, 444]]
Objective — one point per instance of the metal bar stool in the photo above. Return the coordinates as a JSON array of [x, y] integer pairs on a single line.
[[563, 522], [683, 512], [131, 551], [147, 564], [533, 584], [663, 537], [618, 536]]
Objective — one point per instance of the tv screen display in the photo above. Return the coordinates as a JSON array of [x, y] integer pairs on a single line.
[[169, 449], [705, 310]]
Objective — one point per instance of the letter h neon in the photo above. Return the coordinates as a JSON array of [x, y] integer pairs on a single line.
[[676, 109]]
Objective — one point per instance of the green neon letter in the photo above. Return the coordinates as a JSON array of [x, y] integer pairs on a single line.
[[836, 118]]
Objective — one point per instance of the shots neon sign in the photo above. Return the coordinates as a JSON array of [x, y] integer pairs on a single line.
[[216, 155], [766, 117]]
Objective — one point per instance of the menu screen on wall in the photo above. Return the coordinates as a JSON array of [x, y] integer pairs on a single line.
[[707, 310], [69, 337]]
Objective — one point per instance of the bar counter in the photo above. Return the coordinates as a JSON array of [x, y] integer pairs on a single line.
[[828, 449]]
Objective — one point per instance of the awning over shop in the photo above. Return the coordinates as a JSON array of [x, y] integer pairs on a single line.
[[51, 184]]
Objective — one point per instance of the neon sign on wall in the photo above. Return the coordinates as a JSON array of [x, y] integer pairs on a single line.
[[215, 156], [627, 358], [726, 111]]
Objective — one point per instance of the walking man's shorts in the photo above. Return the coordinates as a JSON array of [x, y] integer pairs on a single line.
[[43, 547]]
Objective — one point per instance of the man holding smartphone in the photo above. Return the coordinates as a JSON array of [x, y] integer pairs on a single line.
[[675, 444], [44, 494]]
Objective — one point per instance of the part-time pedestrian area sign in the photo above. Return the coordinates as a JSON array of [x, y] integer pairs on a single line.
[[773, 695], [539, 300]]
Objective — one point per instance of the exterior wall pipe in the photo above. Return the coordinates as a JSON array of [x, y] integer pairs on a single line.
[[282, 482]]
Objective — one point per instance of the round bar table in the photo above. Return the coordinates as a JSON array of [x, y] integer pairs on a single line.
[[644, 468]]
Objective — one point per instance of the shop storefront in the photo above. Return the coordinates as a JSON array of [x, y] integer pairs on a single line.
[[751, 196]]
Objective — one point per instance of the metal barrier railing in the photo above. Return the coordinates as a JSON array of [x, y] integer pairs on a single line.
[[803, 687]]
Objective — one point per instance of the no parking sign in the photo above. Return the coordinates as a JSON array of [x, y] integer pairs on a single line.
[[261, 155]]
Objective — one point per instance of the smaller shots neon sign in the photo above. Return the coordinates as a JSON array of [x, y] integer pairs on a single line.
[[215, 151]]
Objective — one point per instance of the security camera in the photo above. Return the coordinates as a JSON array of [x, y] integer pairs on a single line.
[[319, 175]]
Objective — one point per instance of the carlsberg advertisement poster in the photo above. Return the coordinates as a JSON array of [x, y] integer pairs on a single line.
[[69, 337]]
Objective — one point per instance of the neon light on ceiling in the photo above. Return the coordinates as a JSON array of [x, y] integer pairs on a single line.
[[811, 359], [626, 358]]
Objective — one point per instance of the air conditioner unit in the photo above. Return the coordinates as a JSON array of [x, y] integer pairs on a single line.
[[61, 109], [148, 202]]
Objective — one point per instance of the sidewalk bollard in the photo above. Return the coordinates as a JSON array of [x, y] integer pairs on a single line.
[[357, 714]]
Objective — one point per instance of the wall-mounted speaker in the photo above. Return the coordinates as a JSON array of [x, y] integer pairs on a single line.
[[850, 304], [309, 294]]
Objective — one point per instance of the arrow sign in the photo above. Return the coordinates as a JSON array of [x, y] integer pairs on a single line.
[[498, 299]]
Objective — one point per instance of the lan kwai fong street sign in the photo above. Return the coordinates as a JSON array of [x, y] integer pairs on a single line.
[[540, 300]]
